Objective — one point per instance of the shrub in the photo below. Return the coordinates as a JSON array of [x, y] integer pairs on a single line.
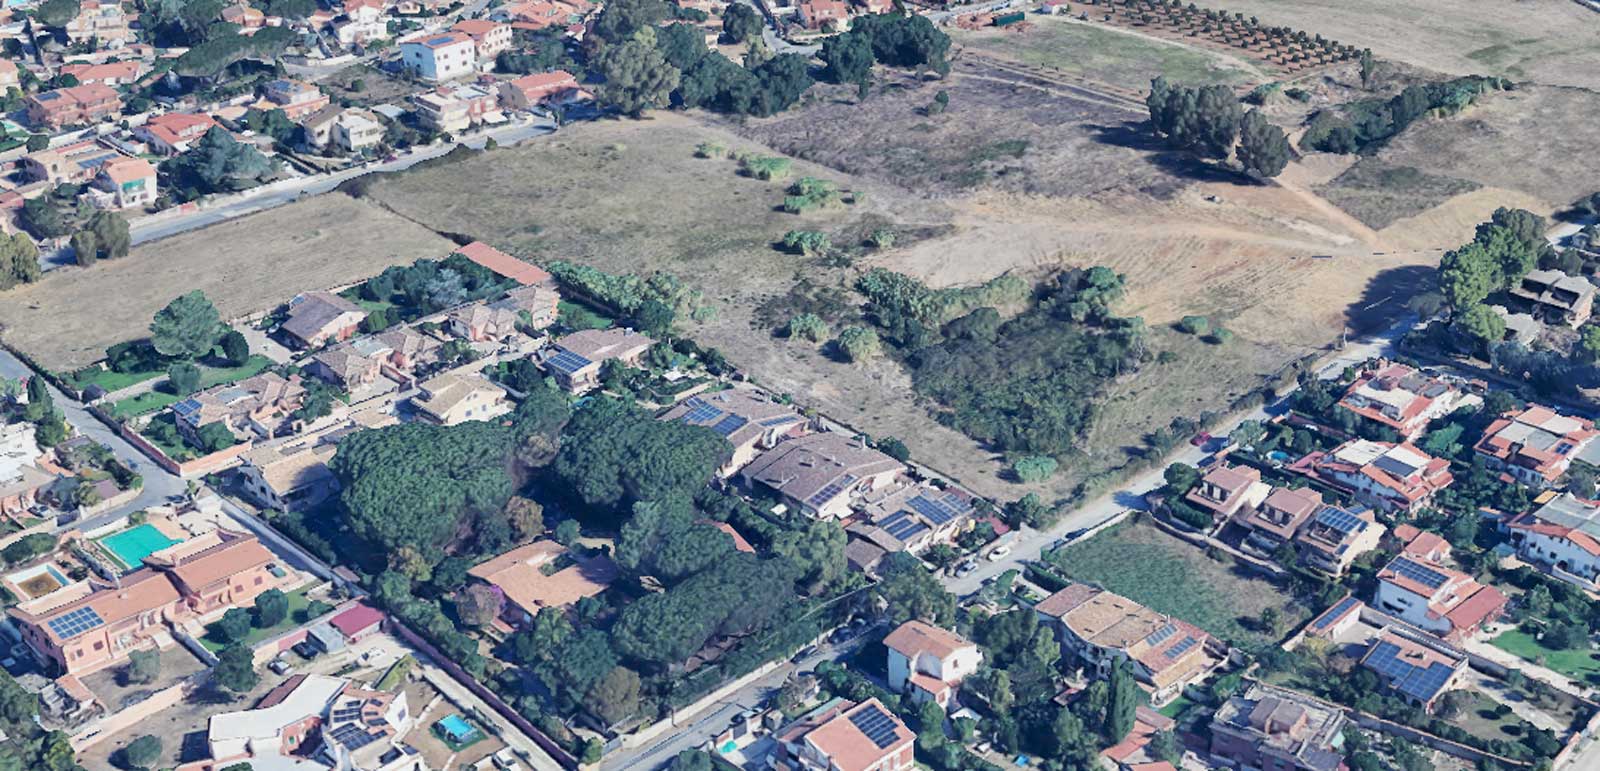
[[882, 238], [1034, 468], [765, 166], [807, 242], [858, 344], [808, 326], [1195, 325], [709, 150]]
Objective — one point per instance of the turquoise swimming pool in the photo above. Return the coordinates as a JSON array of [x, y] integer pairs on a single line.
[[131, 546]]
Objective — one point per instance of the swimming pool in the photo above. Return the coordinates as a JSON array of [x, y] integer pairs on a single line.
[[131, 546], [457, 729]]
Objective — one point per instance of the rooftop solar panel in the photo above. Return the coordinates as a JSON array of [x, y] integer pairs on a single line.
[[877, 725], [902, 526], [566, 362], [1421, 683], [1160, 635], [1418, 572], [74, 623], [1339, 519], [830, 490], [1182, 647], [1334, 613], [729, 424], [780, 420], [937, 512], [699, 411]]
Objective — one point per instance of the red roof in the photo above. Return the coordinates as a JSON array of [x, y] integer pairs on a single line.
[[356, 620], [525, 273]]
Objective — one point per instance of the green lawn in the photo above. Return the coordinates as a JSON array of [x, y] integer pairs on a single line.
[[296, 617], [1178, 706], [1141, 562], [107, 379], [1579, 664], [1109, 56], [151, 401]]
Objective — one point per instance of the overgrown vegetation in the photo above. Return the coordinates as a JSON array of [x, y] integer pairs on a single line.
[[1365, 126]]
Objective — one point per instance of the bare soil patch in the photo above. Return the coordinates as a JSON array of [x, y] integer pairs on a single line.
[[1379, 194], [1544, 41], [246, 265]]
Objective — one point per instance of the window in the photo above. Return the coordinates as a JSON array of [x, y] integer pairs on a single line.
[[260, 580], [99, 646]]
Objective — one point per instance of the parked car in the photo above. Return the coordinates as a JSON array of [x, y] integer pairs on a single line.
[[999, 553], [279, 666], [1201, 439], [306, 650], [966, 569], [803, 653], [1075, 535]]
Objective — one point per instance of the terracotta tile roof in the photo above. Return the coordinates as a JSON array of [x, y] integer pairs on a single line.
[[476, 28], [222, 562], [176, 127], [125, 170], [525, 273], [739, 543], [914, 638], [1064, 601], [356, 619], [808, 468], [848, 748], [519, 574]]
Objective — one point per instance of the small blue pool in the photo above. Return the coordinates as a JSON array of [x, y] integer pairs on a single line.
[[1281, 456], [456, 728]]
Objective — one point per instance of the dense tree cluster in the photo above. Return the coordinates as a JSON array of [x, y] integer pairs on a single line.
[[19, 261], [614, 453], [210, 58], [1209, 120], [1367, 124], [426, 287], [187, 327], [1499, 255], [217, 163]]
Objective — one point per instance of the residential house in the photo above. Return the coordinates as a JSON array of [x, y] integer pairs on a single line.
[[1401, 398], [821, 475], [63, 107], [489, 37], [356, 130], [316, 721], [1389, 477], [245, 17], [1563, 534], [875, 7], [10, 77], [1276, 729], [75, 163], [537, 304], [1556, 298], [530, 91], [832, 15], [358, 623], [1417, 671], [480, 323], [103, 21], [408, 348], [441, 56], [1337, 620], [1101, 628], [456, 107], [751, 420], [361, 23], [21, 477], [1335, 537], [912, 518], [1133, 753], [296, 98], [574, 361], [451, 399], [537, 14], [108, 73], [543, 574], [1224, 490], [928, 662], [86, 626], [257, 406], [846, 736], [174, 132], [1535, 446], [1435, 598], [126, 183], [1279, 518], [317, 126], [349, 366], [315, 318], [502, 264], [292, 473]]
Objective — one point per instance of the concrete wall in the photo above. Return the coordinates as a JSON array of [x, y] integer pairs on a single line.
[[96, 731]]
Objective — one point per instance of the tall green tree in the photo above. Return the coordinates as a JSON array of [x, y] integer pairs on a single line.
[[1263, 147], [19, 261], [187, 327], [235, 669], [272, 608], [848, 58], [637, 76], [143, 752], [111, 234], [613, 453], [1123, 703], [741, 23]]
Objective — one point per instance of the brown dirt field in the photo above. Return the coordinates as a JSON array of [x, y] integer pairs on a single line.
[[1543, 41], [244, 265], [1537, 139]]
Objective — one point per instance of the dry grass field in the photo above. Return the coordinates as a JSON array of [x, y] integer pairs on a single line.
[[243, 266], [1117, 57]]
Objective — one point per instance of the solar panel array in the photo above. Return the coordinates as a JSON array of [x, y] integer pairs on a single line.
[[346, 714], [780, 420], [74, 623], [699, 411], [566, 362], [1160, 635], [877, 725], [1182, 647], [902, 526], [186, 408], [833, 488], [352, 737], [1334, 613], [939, 512], [729, 424], [1339, 519], [1420, 683], [1418, 572]]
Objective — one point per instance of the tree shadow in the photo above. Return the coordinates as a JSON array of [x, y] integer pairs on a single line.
[[1128, 500], [1136, 135], [1383, 302]]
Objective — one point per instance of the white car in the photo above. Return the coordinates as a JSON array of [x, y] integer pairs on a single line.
[[999, 553]]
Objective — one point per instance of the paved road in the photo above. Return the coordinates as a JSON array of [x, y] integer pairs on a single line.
[[154, 228]]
